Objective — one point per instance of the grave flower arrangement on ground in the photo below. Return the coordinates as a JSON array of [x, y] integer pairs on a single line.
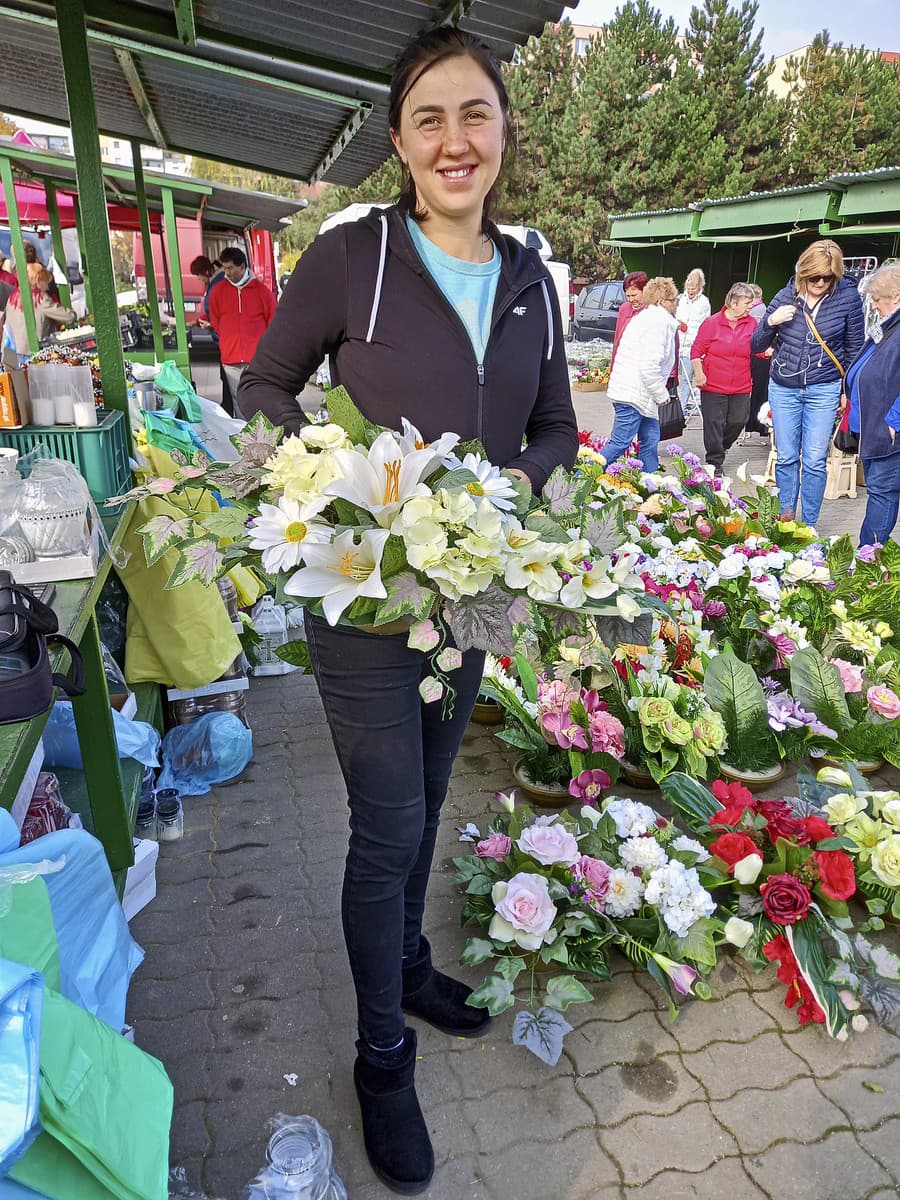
[[554, 893], [372, 527], [792, 877]]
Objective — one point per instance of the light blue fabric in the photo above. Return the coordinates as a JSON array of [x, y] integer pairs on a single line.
[[134, 739], [21, 1000], [97, 954], [469, 287], [803, 421], [883, 499], [629, 425]]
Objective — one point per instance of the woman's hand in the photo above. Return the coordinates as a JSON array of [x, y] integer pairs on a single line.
[[700, 377], [782, 314], [892, 432], [518, 474], [843, 402]]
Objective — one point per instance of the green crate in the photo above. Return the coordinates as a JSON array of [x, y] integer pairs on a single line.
[[100, 452]]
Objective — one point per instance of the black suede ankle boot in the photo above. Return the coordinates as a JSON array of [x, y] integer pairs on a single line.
[[394, 1129], [440, 1000]]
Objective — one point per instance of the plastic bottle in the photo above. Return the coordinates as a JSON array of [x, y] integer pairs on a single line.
[[298, 1165], [270, 623]]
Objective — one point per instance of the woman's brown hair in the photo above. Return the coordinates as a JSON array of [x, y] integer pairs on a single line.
[[821, 258], [416, 60]]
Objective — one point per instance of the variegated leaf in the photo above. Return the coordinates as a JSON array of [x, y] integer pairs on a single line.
[[405, 597], [604, 527], [559, 492], [163, 532], [228, 522], [256, 442], [199, 559], [483, 622], [237, 480]]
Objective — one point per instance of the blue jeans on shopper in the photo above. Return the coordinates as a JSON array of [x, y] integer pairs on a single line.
[[883, 504], [803, 420], [628, 425], [396, 755]]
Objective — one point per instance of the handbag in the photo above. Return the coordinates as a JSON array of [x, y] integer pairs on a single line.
[[845, 439], [671, 415], [28, 629]]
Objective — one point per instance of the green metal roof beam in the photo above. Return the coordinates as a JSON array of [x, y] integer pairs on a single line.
[[185, 21], [871, 196], [141, 99], [24, 155], [341, 142]]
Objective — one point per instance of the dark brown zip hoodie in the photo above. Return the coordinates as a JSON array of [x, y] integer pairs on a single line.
[[362, 295]]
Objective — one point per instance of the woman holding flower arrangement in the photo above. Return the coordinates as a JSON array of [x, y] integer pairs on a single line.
[[428, 313]]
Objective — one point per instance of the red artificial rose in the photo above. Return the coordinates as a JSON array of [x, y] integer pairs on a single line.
[[809, 1008], [736, 800], [818, 828], [781, 822], [732, 847], [837, 877], [785, 899]]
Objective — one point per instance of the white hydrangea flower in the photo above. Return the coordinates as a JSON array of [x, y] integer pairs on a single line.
[[632, 819], [681, 898], [644, 853], [691, 846], [623, 898]]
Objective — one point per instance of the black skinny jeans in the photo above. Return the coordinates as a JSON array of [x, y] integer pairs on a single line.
[[396, 755], [724, 418]]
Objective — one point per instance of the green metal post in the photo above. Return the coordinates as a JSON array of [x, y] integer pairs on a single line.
[[147, 240], [177, 290], [85, 266], [18, 249], [59, 250], [73, 46]]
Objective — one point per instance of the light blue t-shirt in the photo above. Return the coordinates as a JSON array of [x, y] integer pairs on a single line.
[[469, 287]]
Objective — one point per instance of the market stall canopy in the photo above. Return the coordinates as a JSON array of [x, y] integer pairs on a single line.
[[226, 207], [291, 87]]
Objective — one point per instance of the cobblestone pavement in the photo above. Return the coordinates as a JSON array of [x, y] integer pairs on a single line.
[[245, 982]]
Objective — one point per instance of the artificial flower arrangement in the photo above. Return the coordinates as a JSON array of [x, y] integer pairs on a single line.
[[594, 377], [372, 527], [556, 892], [792, 877]]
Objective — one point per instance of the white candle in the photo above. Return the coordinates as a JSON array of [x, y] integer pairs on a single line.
[[42, 410], [85, 413], [64, 409]]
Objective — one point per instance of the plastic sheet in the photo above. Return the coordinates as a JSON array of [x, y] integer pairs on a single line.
[[97, 954], [213, 749], [135, 739], [21, 998], [170, 380]]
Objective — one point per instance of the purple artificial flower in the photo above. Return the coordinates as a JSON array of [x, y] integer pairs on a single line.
[[867, 553], [769, 685], [675, 451], [587, 786], [633, 464], [690, 460], [615, 468], [714, 609], [785, 712]]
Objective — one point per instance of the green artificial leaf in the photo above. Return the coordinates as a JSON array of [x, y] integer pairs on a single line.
[[883, 1000], [518, 738], [806, 943], [556, 952], [476, 951], [468, 866], [479, 885], [588, 955], [816, 684], [228, 522], [563, 990], [296, 653], [495, 994], [616, 631], [524, 493], [511, 967], [472, 446], [200, 559], [483, 622], [479, 909], [840, 557], [733, 690], [342, 411], [549, 530], [542, 1033], [604, 527], [405, 598], [699, 944], [458, 479], [162, 533], [695, 802], [559, 492], [256, 442], [527, 677], [236, 479]]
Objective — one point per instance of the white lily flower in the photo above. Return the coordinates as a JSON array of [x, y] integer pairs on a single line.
[[282, 529], [532, 569], [411, 439], [592, 585], [383, 479], [491, 485], [341, 570]]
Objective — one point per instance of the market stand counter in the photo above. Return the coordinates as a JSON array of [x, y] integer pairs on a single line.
[[105, 793]]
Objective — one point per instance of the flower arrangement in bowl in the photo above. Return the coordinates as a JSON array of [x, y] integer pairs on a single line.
[[791, 877], [557, 891], [591, 379]]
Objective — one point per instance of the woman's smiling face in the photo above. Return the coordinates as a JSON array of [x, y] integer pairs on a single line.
[[451, 138]]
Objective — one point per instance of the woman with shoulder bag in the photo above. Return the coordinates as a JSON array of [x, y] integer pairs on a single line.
[[815, 325], [428, 313], [873, 388]]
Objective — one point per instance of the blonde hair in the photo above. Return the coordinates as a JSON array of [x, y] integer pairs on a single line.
[[740, 291], [695, 274], [884, 282], [821, 258], [659, 289]]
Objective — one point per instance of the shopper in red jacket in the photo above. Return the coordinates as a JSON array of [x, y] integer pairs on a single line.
[[721, 360], [240, 311]]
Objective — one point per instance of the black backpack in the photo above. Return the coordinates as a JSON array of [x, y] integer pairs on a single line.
[[28, 628]]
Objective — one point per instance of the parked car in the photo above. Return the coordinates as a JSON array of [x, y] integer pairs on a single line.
[[596, 310]]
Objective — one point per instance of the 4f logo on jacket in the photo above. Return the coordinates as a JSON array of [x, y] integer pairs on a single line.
[[520, 310]]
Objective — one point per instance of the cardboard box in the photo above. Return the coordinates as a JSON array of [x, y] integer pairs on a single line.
[[140, 882], [19, 381]]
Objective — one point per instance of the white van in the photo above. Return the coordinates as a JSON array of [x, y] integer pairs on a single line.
[[529, 237]]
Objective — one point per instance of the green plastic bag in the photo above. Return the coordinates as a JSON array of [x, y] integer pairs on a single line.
[[170, 380], [106, 1109], [27, 933]]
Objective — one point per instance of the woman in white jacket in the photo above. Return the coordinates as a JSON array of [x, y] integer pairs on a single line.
[[637, 385], [692, 310]]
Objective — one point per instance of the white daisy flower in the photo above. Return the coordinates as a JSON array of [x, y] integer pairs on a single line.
[[491, 485], [281, 530]]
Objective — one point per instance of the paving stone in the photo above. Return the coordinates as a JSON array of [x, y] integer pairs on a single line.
[[760, 1118], [687, 1140], [727, 1068], [883, 1144], [180, 868], [180, 897], [153, 996], [499, 1119], [724, 1178], [836, 1168], [827, 1057], [189, 1134], [658, 1084], [734, 1018], [867, 1106], [161, 928], [534, 1168], [597, 1043]]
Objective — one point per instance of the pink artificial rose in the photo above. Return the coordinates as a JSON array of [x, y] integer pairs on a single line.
[[525, 911], [498, 845], [549, 842], [851, 674], [607, 733], [883, 701], [594, 874]]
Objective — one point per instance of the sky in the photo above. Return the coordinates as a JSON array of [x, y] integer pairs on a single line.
[[788, 24]]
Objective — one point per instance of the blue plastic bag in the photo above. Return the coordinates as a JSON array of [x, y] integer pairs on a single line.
[[97, 954], [135, 739], [21, 999], [214, 748]]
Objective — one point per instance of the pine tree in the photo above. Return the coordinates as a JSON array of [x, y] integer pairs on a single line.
[[845, 111]]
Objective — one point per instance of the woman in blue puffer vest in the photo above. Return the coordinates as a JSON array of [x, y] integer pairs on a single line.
[[873, 386], [816, 327]]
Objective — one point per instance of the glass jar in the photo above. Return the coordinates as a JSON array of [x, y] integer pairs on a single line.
[[169, 815], [145, 822], [298, 1165]]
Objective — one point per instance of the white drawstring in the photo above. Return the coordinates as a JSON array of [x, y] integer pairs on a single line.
[[549, 318], [377, 298]]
